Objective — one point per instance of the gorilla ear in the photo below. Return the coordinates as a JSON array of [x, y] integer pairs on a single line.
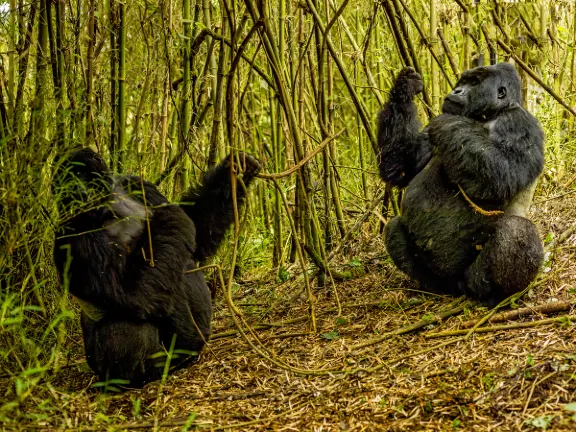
[[501, 92]]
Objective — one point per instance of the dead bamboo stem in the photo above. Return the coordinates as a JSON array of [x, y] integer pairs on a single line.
[[558, 320]]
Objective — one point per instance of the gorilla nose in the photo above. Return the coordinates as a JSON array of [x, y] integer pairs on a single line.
[[458, 91]]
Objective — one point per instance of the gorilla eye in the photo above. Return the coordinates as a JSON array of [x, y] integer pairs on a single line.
[[501, 92]]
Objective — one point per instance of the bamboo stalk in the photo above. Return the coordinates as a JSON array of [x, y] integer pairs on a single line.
[[88, 112], [12, 58], [60, 111], [121, 86], [24, 55], [113, 26], [218, 98], [435, 96], [337, 60], [36, 131], [186, 59]]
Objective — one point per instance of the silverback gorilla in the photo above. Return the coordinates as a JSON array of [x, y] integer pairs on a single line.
[[124, 252], [484, 150]]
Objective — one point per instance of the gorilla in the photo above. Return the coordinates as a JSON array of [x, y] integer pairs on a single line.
[[462, 228], [125, 253]]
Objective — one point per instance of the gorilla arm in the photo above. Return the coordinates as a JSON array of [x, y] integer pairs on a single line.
[[404, 149], [90, 266], [492, 161], [210, 204]]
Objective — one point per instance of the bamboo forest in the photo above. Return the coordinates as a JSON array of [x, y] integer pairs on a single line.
[[287, 215]]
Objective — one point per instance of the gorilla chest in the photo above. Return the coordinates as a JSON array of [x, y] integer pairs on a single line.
[[435, 212], [125, 228]]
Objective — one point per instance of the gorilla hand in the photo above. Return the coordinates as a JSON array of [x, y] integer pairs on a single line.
[[250, 165], [407, 85], [247, 164]]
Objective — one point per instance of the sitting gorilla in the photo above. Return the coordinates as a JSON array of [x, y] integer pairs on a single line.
[[123, 251], [484, 150]]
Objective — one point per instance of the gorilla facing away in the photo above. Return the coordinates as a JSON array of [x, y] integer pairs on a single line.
[[124, 251], [484, 149]]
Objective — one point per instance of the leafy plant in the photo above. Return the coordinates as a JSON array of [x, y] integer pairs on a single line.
[[333, 335]]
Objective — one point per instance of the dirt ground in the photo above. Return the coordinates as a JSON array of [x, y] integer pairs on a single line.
[[502, 379]]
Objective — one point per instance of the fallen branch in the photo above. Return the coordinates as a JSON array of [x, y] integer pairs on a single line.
[[412, 327], [546, 309], [559, 320], [566, 234]]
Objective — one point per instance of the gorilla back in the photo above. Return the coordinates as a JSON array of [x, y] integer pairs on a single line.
[[480, 153], [126, 254]]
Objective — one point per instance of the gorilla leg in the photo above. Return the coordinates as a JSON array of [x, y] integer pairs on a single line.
[[409, 260], [509, 261], [397, 245], [122, 350], [190, 322], [210, 205]]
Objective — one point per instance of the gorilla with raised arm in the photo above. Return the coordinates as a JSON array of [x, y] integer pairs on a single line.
[[125, 253], [458, 232]]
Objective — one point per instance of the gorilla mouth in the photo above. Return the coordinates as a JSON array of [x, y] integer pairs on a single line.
[[452, 107]]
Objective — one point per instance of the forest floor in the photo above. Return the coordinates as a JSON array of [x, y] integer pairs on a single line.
[[510, 379]]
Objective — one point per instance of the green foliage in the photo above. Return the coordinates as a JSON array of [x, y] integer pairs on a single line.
[[191, 419], [333, 335], [111, 385], [136, 403], [283, 275], [354, 263], [340, 321], [488, 380], [542, 422]]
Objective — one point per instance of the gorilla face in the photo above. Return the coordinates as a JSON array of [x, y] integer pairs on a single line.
[[483, 92], [81, 180]]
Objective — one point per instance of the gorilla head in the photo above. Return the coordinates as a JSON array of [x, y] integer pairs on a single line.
[[82, 179], [482, 93]]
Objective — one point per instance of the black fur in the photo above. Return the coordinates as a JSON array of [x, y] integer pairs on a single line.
[[491, 147], [132, 308]]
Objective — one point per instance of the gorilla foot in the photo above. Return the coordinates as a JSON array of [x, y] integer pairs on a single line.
[[508, 263]]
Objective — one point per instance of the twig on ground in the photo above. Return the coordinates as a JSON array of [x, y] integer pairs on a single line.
[[412, 327], [559, 320], [283, 323], [533, 387], [514, 314]]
